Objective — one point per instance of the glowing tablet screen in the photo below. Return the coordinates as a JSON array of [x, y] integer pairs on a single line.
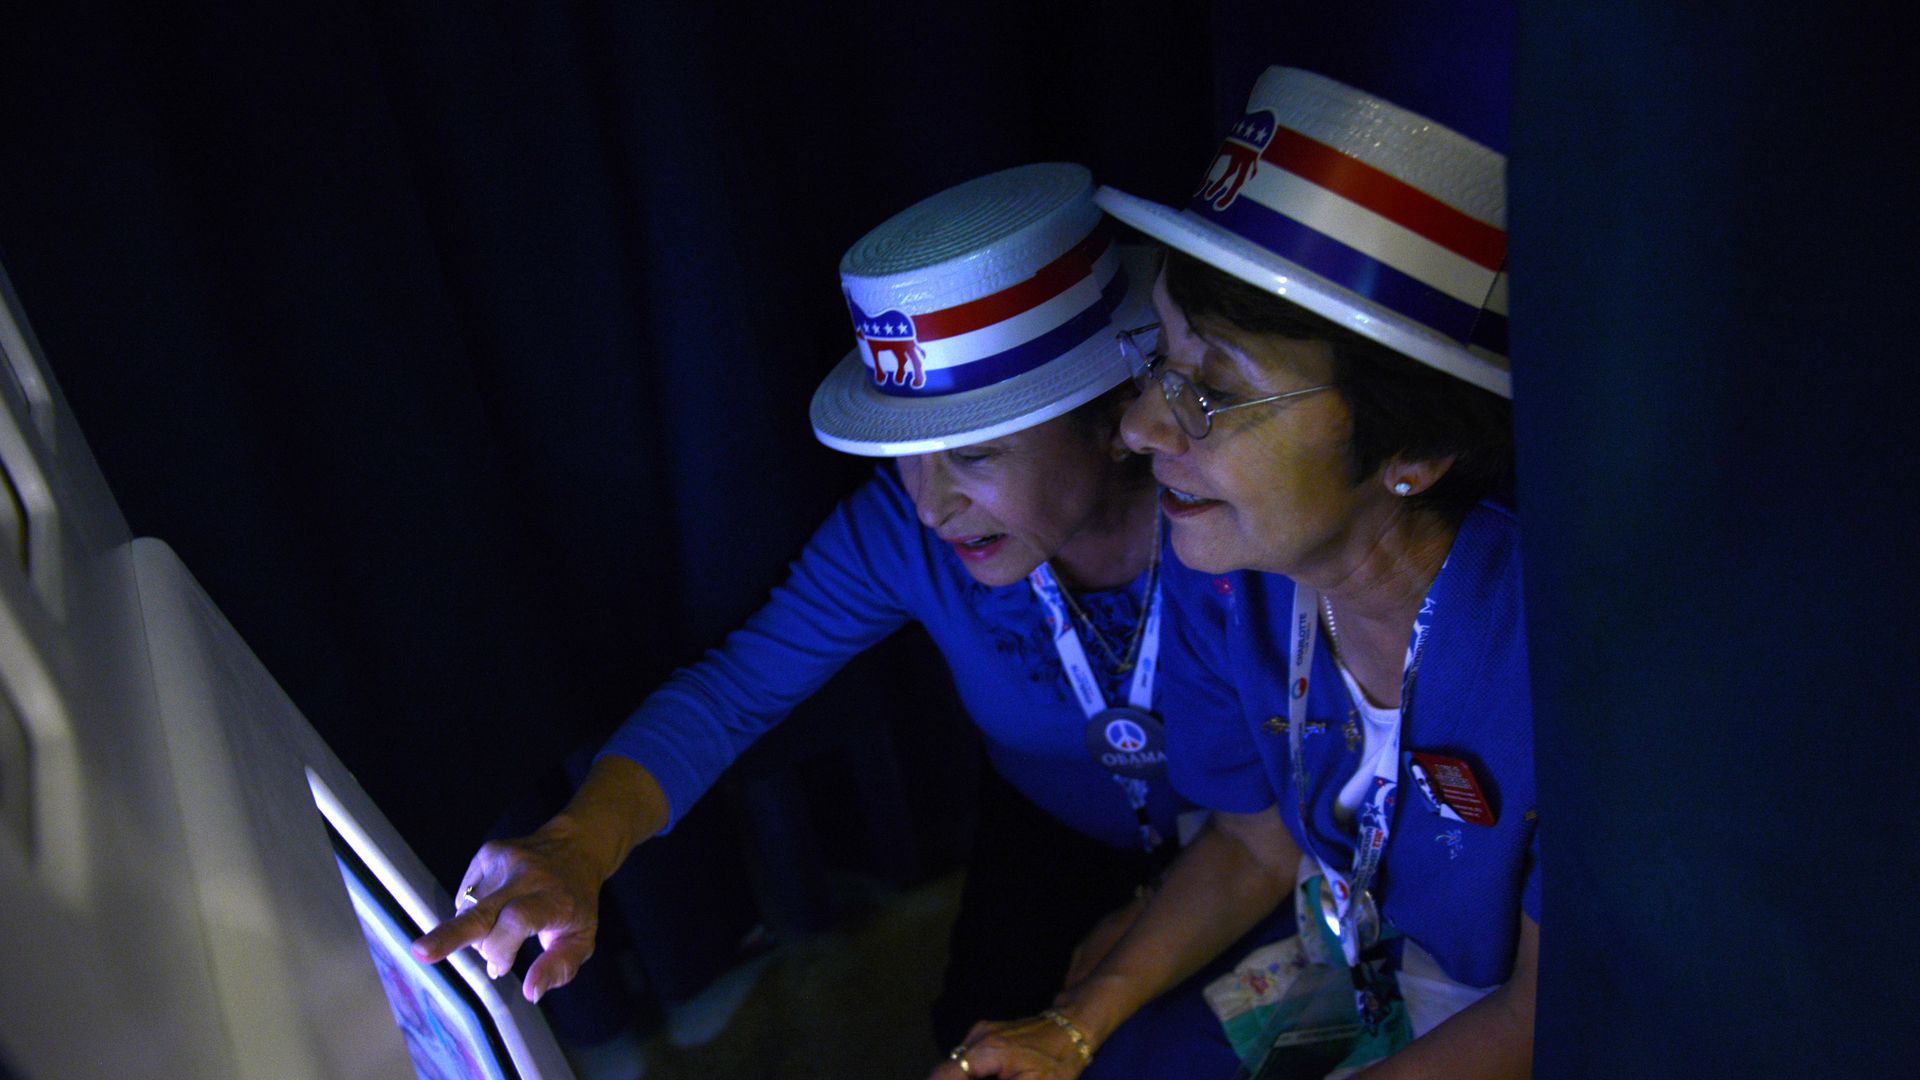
[[448, 1031]]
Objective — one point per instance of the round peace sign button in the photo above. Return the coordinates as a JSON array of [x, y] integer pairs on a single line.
[[1128, 741]]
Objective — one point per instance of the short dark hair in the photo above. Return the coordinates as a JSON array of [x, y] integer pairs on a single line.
[[1099, 421], [1401, 407]]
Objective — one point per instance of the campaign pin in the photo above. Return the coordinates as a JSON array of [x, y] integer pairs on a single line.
[[1455, 787], [1128, 741]]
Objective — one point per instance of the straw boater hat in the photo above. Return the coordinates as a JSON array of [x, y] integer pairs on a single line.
[[988, 308], [1360, 211]]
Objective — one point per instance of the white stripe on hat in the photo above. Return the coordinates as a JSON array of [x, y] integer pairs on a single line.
[[1372, 235]]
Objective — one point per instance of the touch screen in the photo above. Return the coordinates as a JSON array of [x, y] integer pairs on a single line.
[[448, 1031]]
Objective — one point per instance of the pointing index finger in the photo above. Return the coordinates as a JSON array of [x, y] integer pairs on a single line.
[[466, 928]]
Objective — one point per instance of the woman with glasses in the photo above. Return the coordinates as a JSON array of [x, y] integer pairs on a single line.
[[1324, 400], [1013, 524]]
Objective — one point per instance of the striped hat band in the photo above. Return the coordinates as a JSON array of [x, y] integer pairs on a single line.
[[979, 312], [936, 351], [1360, 227], [1361, 211]]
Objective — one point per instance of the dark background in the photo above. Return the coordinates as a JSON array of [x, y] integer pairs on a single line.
[[463, 350]]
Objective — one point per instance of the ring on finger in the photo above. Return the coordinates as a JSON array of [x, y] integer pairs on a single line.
[[466, 898], [959, 1055]]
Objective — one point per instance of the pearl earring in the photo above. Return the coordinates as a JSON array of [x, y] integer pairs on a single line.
[[1403, 488]]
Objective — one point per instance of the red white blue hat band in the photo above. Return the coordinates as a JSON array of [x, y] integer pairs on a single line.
[[1360, 211], [986, 309], [982, 342]]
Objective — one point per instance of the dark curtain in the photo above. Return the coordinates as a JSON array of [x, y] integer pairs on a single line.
[[1713, 268]]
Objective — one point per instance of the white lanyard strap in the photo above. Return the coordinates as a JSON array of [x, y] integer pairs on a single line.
[[1086, 688], [1376, 806], [1073, 657]]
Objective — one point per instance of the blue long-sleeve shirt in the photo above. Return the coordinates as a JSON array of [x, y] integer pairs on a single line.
[[868, 570]]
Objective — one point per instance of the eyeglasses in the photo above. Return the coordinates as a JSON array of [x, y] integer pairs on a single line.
[[1190, 407]]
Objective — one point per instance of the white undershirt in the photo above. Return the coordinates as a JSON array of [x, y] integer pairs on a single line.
[[1431, 996], [1376, 725]]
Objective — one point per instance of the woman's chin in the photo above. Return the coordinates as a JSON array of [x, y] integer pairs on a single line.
[[1200, 548], [1003, 568]]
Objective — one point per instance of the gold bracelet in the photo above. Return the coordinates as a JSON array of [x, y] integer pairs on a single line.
[[1073, 1032]]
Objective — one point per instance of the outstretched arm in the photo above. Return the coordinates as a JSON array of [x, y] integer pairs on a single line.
[[1233, 874], [547, 885], [840, 598]]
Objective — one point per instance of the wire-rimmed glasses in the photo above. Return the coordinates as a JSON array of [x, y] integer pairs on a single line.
[[1191, 409]]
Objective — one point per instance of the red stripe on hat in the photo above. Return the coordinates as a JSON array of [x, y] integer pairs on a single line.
[[1395, 200], [1053, 279]]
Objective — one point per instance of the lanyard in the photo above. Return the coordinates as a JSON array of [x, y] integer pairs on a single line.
[[1086, 688], [1073, 658], [1352, 903]]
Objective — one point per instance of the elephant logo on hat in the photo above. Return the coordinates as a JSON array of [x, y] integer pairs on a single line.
[[890, 333], [1238, 159]]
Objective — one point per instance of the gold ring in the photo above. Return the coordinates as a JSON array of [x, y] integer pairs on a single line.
[[466, 898], [959, 1055]]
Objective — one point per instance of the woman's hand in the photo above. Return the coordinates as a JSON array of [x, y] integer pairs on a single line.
[[1036, 1048], [546, 886], [1232, 875], [1100, 941]]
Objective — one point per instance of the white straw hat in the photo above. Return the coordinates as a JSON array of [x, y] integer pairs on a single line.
[[1359, 211], [986, 309]]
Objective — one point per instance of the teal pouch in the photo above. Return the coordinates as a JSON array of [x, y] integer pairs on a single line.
[[1312, 1029]]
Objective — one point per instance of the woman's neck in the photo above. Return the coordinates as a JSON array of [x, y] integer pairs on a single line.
[[1376, 596], [1116, 544]]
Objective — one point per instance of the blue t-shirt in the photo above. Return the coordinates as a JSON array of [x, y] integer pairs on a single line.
[[1454, 887], [869, 569]]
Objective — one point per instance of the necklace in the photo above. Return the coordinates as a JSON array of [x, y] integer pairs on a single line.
[[1123, 665], [1351, 729], [1333, 626]]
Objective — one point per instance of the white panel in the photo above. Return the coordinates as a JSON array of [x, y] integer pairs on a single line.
[[254, 779], [168, 893], [16, 779], [107, 972], [291, 968]]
